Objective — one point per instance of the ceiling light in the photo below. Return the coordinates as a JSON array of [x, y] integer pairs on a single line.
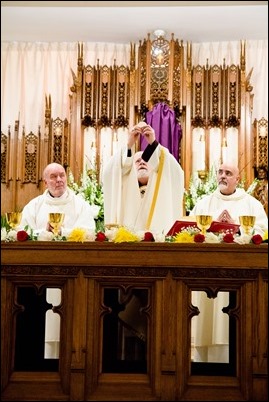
[[159, 32]]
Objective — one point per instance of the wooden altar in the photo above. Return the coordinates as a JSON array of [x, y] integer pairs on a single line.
[[168, 273]]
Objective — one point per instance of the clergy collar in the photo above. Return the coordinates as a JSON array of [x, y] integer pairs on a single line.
[[64, 195]]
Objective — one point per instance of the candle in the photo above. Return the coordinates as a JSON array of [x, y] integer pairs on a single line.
[[224, 149], [93, 155], [115, 143], [201, 154]]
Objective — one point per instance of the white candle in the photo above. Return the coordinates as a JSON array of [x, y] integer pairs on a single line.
[[224, 150], [115, 143], [201, 154], [93, 155]]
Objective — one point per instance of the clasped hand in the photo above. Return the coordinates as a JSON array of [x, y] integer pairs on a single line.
[[141, 129]]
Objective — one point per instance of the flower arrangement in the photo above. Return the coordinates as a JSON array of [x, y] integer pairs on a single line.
[[4, 223], [126, 235], [89, 189], [198, 188]]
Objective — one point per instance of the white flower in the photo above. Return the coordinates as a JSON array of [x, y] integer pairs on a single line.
[[95, 210], [159, 237], [10, 235], [90, 235], [111, 233], [192, 230], [211, 237], [243, 239], [44, 235], [4, 234]]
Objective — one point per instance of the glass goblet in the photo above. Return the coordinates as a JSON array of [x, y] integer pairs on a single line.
[[203, 222], [56, 220], [13, 219], [247, 222]]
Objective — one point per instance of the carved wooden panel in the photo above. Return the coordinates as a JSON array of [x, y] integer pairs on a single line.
[[105, 96], [59, 141], [261, 143], [160, 73], [216, 96], [31, 155], [5, 154]]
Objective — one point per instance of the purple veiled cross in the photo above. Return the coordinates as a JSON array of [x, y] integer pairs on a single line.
[[168, 131]]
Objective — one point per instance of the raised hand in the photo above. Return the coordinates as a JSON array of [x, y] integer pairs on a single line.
[[149, 134], [141, 128]]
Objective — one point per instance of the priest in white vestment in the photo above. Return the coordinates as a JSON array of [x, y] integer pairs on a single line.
[[78, 214], [210, 329], [143, 190], [228, 202], [57, 197]]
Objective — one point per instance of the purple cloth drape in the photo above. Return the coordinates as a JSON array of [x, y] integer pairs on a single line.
[[168, 132]]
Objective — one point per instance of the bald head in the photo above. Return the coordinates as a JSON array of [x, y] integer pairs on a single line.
[[228, 178], [52, 167], [55, 179]]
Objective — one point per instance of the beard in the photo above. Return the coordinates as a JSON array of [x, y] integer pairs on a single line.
[[142, 176], [223, 188]]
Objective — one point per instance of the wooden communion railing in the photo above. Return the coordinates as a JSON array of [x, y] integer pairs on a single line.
[[91, 276]]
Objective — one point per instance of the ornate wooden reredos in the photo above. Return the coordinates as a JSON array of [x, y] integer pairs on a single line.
[[212, 103]]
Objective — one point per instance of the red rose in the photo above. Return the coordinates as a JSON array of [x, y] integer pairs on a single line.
[[148, 236], [256, 239], [100, 236], [199, 238], [22, 235], [228, 238]]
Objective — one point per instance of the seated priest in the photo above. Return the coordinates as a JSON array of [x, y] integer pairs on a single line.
[[228, 202], [78, 213], [210, 329], [58, 198]]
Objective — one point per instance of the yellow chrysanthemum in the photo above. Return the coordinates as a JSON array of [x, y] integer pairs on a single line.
[[78, 235], [124, 235], [184, 237], [265, 235]]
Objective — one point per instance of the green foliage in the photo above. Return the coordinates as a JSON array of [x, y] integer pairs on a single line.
[[4, 223], [89, 188], [198, 188]]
